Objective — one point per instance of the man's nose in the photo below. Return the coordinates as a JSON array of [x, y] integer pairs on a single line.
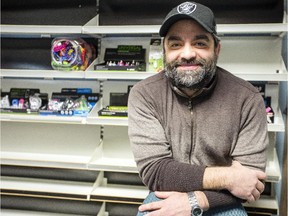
[[188, 52]]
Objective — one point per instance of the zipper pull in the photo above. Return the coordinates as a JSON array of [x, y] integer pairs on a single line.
[[190, 105]]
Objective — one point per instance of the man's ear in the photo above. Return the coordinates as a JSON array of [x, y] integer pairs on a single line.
[[218, 48]]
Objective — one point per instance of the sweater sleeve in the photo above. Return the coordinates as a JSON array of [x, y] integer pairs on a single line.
[[251, 147], [170, 175], [157, 168]]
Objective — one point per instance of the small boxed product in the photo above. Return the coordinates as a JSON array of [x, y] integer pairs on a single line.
[[114, 111], [261, 87], [23, 100], [71, 102], [269, 111], [118, 105], [156, 55], [123, 58]]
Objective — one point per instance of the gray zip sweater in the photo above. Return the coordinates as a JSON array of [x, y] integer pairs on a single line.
[[174, 137]]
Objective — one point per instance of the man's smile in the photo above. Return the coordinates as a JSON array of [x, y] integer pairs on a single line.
[[188, 66]]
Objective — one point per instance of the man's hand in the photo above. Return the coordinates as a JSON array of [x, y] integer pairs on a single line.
[[242, 182], [173, 204], [245, 183]]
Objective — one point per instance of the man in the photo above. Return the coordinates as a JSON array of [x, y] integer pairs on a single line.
[[198, 133]]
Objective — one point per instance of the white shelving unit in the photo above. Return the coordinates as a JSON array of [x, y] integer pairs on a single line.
[[62, 147], [102, 144], [51, 188], [264, 206], [9, 212], [41, 30]]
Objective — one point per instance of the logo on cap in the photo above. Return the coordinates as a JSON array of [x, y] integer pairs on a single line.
[[186, 8]]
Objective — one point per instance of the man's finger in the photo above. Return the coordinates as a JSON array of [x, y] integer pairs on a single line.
[[261, 175], [150, 206], [251, 199], [260, 186], [256, 194]]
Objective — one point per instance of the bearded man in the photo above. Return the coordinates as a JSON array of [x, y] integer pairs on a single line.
[[198, 133]]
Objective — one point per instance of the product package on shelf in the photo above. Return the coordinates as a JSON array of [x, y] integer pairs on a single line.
[[68, 102], [261, 86], [117, 105], [68, 54], [123, 58], [156, 55], [23, 100], [269, 110], [71, 102], [114, 111]]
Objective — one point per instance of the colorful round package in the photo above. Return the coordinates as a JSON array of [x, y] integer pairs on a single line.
[[70, 54]]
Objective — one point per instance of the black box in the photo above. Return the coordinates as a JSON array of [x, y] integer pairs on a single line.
[[124, 58]]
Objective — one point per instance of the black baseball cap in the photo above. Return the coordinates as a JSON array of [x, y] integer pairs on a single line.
[[190, 10]]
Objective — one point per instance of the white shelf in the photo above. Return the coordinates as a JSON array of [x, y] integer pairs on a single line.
[[128, 192], [265, 28], [268, 28], [268, 203], [117, 75], [40, 29], [45, 74], [114, 153], [264, 77], [272, 167], [123, 29], [106, 163], [42, 118], [41, 145], [113, 121], [98, 190], [44, 160], [46, 188], [10, 212], [273, 28]]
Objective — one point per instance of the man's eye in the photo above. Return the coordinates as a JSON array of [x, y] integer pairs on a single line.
[[200, 44], [175, 45]]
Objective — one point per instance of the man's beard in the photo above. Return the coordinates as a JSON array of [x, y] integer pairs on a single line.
[[191, 79]]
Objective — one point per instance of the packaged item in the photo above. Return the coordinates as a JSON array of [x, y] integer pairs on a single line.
[[70, 54], [123, 58], [156, 55], [114, 111]]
